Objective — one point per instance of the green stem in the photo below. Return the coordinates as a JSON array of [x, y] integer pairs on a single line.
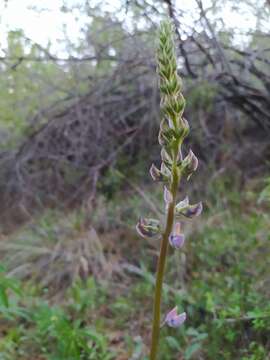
[[161, 267]]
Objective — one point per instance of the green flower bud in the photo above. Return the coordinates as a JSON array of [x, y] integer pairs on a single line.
[[183, 128], [165, 170], [166, 133], [166, 157], [189, 164], [160, 175], [172, 101], [155, 173]]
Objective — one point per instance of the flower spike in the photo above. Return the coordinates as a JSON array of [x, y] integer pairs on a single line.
[[174, 128]]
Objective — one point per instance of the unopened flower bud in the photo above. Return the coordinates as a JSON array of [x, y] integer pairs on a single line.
[[155, 173], [165, 170], [162, 138], [170, 86], [166, 134], [176, 238], [168, 198], [166, 157], [174, 320], [189, 164], [148, 227], [168, 111], [184, 128], [160, 175], [178, 103]]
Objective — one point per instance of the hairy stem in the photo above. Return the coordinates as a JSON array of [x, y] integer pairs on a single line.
[[161, 267]]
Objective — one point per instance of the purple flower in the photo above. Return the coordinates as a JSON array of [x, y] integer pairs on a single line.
[[187, 210], [177, 239], [193, 210], [173, 319]]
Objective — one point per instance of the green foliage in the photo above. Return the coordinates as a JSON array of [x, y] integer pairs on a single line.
[[230, 293], [54, 331], [22, 91], [265, 194], [7, 284], [111, 183], [224, 292], [71, 339]]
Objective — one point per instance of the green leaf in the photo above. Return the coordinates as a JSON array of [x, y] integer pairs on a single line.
[[192, 349], [173, 343], [3, 297]]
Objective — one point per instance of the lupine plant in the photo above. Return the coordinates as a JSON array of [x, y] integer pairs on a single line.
[[174, 128]]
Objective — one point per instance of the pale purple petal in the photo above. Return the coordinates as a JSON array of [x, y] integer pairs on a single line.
[[174, 320], [177, 241], [140, 230], [193, 210], [171, 314], [194, 160], [177, 320], [167, 196], [155, 173], [176, 238], [182, 204], [177, 228]]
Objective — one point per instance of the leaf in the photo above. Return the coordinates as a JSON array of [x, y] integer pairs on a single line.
[[192, 349], [3, 297], [201, 336], [173, 343]]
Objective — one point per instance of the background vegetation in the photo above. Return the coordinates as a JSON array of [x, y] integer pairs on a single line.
[[78, 133]]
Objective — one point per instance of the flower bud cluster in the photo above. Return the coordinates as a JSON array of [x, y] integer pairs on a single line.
[[174, 127]]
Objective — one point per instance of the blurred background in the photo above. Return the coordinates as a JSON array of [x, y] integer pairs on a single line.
[[79, 118]]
